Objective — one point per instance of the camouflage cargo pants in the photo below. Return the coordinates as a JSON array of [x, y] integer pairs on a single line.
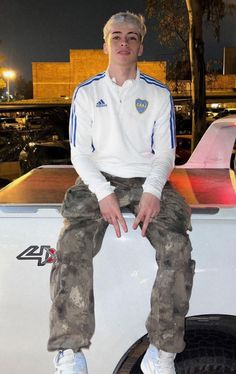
[[72, 313]]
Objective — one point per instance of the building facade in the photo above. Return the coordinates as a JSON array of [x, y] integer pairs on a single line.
[[59, 79]]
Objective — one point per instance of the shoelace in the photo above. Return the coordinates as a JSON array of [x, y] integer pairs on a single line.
[[166, 361]]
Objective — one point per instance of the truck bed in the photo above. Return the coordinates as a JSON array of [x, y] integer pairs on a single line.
[[47, 185]]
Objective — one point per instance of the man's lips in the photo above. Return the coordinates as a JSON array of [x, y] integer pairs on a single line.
[[123, 52]]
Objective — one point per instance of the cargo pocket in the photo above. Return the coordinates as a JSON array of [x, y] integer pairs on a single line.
[[80, 202]]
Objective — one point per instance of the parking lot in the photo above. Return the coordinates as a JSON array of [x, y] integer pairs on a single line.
[[32, 137], [36, 135]]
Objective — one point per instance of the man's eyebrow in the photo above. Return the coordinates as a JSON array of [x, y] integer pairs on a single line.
[[130, 32]]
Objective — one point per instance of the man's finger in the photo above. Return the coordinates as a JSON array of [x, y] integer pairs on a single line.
[[145, 225], [137, 221], [122, 222], [116, 225]]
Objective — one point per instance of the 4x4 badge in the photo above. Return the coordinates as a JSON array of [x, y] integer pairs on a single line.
[[44, 254]]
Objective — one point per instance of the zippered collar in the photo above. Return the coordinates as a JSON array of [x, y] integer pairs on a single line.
[[128, 82]]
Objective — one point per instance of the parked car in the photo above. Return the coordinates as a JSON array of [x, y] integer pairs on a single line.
[[183, 148], [39, 153], [183, 123], [225, 112], [11, 143], [210, 116], [11, 123]]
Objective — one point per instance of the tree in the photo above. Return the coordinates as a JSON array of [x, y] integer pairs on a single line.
[[213, 69], [2, 81], [215, 10], [23, 89], [173, 26], [197, 63]]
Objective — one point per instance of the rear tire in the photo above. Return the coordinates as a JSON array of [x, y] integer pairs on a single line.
[[206, 352], [206, 365], [210, 348], [198, 365]]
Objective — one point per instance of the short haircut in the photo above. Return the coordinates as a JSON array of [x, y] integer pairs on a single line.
[[127, 17]]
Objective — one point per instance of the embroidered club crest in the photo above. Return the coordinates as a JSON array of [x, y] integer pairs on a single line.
[[141, 105]]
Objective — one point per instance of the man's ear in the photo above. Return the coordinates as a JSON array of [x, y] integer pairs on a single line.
[[105, 48], [140, 50]]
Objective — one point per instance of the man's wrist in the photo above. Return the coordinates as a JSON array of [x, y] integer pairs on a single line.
[[104, 192], [154, 191]]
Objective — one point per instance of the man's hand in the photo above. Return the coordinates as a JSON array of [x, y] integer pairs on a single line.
[[111, 213], [149, 208]]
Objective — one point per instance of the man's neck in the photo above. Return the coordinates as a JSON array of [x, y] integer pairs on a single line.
[[122, 74]]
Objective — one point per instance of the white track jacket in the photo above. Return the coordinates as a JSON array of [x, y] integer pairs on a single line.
[[126, 131]]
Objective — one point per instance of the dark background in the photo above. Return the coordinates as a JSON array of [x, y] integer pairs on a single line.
[[45, 30]]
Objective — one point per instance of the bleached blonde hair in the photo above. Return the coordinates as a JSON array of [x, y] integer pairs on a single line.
[[127, 17]]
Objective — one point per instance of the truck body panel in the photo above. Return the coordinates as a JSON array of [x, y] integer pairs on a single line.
[[124, 269]]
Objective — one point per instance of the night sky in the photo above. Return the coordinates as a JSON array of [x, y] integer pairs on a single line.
[[45, 30]]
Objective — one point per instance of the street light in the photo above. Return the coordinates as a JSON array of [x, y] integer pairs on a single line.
[[8, 75]]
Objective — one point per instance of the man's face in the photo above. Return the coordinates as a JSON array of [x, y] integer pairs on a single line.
[[123, 44]]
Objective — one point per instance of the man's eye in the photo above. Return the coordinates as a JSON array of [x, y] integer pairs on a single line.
[[116, 37], [133, 38]]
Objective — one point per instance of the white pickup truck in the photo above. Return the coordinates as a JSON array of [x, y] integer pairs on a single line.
[[125, 268]]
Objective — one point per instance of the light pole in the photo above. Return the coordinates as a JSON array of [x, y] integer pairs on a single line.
[[8, 75]]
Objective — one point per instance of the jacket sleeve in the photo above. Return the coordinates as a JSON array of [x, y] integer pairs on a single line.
[[164, 144], [81, 144]]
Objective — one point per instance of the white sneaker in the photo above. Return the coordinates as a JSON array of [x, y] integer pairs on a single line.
[[158, 362], [68, 362]]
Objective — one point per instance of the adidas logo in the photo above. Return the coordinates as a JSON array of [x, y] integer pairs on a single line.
[[101, 104]]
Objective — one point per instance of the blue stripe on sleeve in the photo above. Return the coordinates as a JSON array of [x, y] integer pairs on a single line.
[[72, 123], [152, 139], [74, 130], [73, 117], [73, 126], [172, 123], [150, 80]]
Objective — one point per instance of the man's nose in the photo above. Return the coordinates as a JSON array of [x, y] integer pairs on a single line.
[[124, 42]]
